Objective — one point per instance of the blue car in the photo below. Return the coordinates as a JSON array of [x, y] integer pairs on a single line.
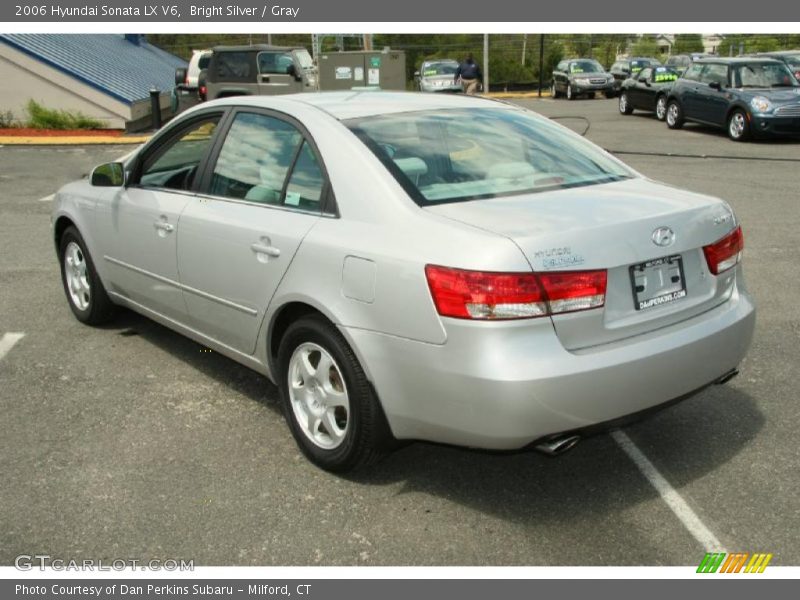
[[748, 97]]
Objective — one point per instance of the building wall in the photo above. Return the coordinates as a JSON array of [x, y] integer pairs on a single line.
[[24, 78]]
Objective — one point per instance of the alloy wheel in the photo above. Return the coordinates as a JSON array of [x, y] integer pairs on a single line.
[[77, 276]]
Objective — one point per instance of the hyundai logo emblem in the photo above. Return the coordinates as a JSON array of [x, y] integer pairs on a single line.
[[663, 236]]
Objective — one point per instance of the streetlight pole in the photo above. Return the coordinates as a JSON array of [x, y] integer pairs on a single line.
[[485, 63]]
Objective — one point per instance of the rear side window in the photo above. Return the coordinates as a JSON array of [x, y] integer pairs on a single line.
[[265, 160], [234, 66], [174, 165]]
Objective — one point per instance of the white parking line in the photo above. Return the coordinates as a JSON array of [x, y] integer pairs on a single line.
[[47, 198], [671, 497], [7, 342]]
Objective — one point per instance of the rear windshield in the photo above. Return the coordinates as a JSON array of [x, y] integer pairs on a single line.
[[439, 68], [638, 65], [585, 66], [469, 154]]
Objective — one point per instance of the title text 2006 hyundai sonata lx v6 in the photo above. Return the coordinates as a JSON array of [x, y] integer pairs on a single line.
[[414, 267]]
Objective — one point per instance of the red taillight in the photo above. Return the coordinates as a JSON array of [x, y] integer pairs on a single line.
[[725, 253], [478, 295]]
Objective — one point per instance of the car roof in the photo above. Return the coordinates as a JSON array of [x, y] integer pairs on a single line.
[[735, 60], [254, 48], [779, 53], [354, 104]]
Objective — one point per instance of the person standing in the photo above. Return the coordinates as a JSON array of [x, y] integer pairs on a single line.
[[470, 74]]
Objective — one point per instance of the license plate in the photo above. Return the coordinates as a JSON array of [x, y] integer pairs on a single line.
[[658, 282]]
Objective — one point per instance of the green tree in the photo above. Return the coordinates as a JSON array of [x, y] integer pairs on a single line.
[[645, 46], [687, 42]]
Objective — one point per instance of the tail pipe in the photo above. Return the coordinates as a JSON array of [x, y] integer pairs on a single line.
[[558, 445], [727, 377]]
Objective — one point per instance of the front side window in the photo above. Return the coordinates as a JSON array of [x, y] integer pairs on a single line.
[[644, 74], [274, 63], [255, 161], [693, 72], [715, 74], [446, 156], [174, 165]]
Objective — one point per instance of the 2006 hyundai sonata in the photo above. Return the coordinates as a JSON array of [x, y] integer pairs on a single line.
[[414, 267]]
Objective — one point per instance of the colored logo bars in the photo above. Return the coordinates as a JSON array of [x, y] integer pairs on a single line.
[[734, 563]]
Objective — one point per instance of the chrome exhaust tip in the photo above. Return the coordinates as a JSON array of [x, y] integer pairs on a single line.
[[558, 445], [727, 377]]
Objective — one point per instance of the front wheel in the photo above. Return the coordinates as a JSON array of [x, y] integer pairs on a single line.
[[553, 91], [570, 93], [328, 402], [661, 108], [85, 292], [738, 126], [674, 115], [624, 104]]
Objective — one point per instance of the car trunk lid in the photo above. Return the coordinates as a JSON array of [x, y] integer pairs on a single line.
[[618, 227]]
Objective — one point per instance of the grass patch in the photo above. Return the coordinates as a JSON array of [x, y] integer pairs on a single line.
[[41, 117]]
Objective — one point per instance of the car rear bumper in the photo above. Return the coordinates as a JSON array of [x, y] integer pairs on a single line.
[[769, 125], [506, 385]]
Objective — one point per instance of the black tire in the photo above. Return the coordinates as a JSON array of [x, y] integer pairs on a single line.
[[590, 95], [610, 94], [674, 118], [570, 94], [367, 437], [554, 93], [99, 308], [625, 107], [738, 126]]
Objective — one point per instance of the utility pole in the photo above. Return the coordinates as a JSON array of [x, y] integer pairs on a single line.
[[541, 62], [269, 39], [524, 47], [367, 41], [485, 63]]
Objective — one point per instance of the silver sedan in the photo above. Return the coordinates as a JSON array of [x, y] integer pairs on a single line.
[[414, 267]]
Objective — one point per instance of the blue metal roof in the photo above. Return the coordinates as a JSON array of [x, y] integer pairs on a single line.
[[112, 64]]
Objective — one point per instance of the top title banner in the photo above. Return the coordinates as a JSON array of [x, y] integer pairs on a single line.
[[455, 11]]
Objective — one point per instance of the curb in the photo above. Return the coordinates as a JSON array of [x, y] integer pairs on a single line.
[[71, 140]]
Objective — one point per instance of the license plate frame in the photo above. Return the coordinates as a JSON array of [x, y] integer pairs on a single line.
[[648, 284]]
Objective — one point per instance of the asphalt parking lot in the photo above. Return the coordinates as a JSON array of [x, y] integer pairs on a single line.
[[131, 441]]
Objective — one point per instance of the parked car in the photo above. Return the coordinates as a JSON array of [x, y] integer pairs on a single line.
[[257, 70], [749, 97], [647, 90], [438, 76], [400, 276], [186, 92], [581, 76], [790, 57], [622, 69], [681, 62]]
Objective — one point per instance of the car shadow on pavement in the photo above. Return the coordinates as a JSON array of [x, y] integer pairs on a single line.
[[685, 442], [594, 480]]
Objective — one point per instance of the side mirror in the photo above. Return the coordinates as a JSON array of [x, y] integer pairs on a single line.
[[715, 85], [108, 175], [647, 83]]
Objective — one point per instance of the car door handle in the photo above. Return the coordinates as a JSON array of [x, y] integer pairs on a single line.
[[164, 226], [264, 249]]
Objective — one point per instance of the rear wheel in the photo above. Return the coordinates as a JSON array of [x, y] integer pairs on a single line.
[[738, 126], [674, 115], [85, 293], [661, 108], [624, 104], [331, 409]]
